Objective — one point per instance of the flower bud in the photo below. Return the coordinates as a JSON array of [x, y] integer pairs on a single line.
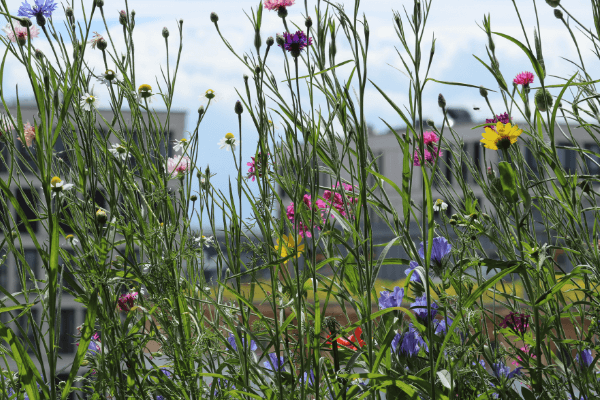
[[483, 91], [282, 12], [193, 197], [558, 13], [238, 108], [201, 110], [553, 3], [181, 22], [101, 217], [21, 40], [441, 101], [122, 17], [245, 78], [308, 22], [270, 41], [543, 100], [280, 40], [99, 3], [430, 123], [41, 21], [214, 17], [257, 70], [102, 44], [257, 40], [25, 22], [165, 32], [69, 12], [39, 55]]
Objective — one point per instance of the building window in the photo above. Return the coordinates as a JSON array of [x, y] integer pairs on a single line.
[[28, 202], [593, 166], [31, 258], [67, 331], [568, 158]]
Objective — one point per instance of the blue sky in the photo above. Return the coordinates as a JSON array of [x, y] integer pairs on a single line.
[[207, 64]]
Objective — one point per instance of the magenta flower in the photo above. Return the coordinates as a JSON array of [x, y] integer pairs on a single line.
[[517, 323], [255, 169], [336, 200], [504, 118], [178, 164], [295, 43], [432, 152], [127, 301], [303, 229], [430, 137], [524, 78], [275, 5]]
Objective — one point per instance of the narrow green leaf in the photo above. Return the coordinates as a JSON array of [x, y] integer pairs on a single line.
[[508, 180], [320, 72], [457, 84], [534, 62]]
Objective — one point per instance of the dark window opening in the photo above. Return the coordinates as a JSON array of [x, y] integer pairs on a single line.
[[67, 331], [26, 206]]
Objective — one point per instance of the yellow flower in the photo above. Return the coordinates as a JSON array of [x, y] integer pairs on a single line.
[[502, 137], [210, 94], [288, 245]]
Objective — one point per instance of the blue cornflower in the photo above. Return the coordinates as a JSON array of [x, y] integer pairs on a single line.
[[274, 364], [586, 358], [420, 308], [441, 327], [231, 340], [441, 248], [94, 348], [409, 343], [481, 362], [501, 370], [310, 380], [415, 276], [41, 9], [391, 299]]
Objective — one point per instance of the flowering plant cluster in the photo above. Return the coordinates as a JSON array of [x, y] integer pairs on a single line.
[[286, 281]]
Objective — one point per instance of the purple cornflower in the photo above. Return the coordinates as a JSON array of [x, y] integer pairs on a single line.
[[415, 277], [295, 43], [586, 358], [504, 118], [441, 327], [518, 323], [274, 364], [391, 299], [231, 340], [441, 248], [41, 9], [500, 370], [409, 343], [420, 308], [310, 380]]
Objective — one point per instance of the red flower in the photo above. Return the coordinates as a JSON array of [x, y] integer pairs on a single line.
[[351, 341]]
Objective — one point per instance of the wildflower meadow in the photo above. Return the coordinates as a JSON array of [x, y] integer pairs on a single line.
[[269, 288]]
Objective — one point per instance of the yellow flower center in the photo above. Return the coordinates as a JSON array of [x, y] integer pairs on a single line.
[[229, 136], [145, 88], [70, 237], [90, 100], [55, 181], [121, 149], [439, 202], [183, 141], [109, 74], [210, 94]]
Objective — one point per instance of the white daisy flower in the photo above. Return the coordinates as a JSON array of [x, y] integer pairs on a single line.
[[206, 241], [58, 186], [119, 151], [145, 93], [72, 240], [211, 96], [180, 144], [228, 142], [88, 101], [439, 205], [109, 77]]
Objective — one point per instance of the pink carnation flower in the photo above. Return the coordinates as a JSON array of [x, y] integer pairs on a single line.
[[178, 164], [29, 134], [303, 229], [275, 5], [127, 301], [430, 137], [430, 157], [524, 78], [21, 32]]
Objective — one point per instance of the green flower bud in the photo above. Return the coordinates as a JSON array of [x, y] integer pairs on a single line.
[[238, 107], [441, 101], [282, 12], [483, 91], [99, 3], [543, 100], [101, 217], [558, 13], [553, 3], [270, 41], [214, 17], [193, 197], [165, 32]]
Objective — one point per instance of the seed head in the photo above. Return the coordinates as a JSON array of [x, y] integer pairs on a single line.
[[214, 17], [165, 32]]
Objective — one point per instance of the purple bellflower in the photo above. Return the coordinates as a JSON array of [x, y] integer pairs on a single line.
[[441, 248], [391, 299]]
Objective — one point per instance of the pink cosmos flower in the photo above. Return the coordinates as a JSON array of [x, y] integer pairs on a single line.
[[275, 5], [178, 164], [524, 78], [21, 32], [127, 301], [29, 134]]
